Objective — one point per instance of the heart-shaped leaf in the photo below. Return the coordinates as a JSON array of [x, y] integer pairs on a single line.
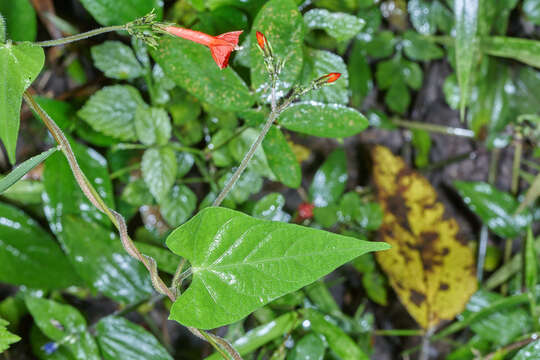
[[240, 263]]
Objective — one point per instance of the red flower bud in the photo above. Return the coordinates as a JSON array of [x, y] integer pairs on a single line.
[[305, 211], [261, 39], [330, 78]]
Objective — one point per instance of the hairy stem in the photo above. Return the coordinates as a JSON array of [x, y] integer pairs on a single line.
[[81, 36], [117, 219]]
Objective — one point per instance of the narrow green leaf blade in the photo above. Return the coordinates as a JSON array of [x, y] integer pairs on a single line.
[[466, 16], [531, 263], [324, 120], [245, 263], [261, 335], [496, 208], [119, 338], [29, 255], [19, 65], [525, 50], [190, 65], [24, 168]]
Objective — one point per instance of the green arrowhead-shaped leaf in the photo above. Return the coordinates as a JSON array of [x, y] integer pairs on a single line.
[[240, 263], [324, 120], [119, 338], [113, 12], [282, 24], [19, 66], [191, 66]]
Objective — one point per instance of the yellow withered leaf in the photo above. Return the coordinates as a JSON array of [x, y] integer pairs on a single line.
[[430, 266]]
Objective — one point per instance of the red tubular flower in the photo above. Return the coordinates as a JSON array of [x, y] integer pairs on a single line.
[[261, 39], [220, 46], [330, 78]]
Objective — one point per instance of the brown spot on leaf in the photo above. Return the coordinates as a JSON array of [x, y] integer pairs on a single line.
[[417, 298], [444, 286], [397, 206]]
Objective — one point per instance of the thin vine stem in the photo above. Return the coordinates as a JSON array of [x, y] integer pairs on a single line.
[[119, 222], [441, 129], [81, 36]]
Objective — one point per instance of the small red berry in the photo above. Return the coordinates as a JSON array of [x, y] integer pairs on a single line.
[[261, 39], [305, 211]]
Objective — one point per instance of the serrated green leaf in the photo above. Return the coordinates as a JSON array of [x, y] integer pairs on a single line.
[[341, 26], [496, 208], [112, 12], [283, 26], [29, 256], [58, 321], [191, 67], [324, 120], [100, 260], [270, 207], [240, 263], [111, 111], [22, 169], [178, 205], [152, 125], [20, 18], [381, 44], [329, 181], [281, 158], [318, 63], [119, 338], [421, 14], [6, 338], [466, 44], [159, 169], [397, 97], [116, 60], [19, 66]]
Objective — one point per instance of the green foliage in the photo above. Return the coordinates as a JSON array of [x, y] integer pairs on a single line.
[[496, 208], [342, 27], [116, 60], [6, 338], [20, 18], [19, 65], [159, 170], [119, 338], [249, 262], [111, 12], [112, 110]]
